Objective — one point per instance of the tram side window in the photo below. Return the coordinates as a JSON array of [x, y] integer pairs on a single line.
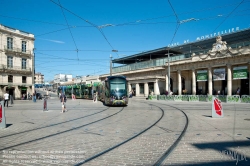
[[107, 89]]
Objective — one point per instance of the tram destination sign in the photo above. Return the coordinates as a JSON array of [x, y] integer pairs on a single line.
[[202, 75], [240, 72]]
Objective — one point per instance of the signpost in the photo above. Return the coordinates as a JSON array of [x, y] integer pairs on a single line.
[[217, 110], [2, 115]]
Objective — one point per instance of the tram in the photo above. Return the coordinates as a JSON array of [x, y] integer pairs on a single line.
[[113, 91], [81, 91]]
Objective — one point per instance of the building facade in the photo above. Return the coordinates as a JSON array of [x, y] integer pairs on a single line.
[[61, 78], [219, 65], [39, 78], [16, 62]]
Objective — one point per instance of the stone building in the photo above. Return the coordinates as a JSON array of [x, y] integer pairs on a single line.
[[216, 64], [16, 62], [39, 78]]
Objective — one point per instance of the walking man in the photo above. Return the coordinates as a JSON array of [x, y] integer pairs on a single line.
[[63, 101], [6, 98]]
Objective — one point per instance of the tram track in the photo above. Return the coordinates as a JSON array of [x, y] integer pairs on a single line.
[[164, 155], [51, 125], [172, 147], [62, 132], [117, 145]]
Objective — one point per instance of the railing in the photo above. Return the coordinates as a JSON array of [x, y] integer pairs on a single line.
[[148, 64], [19, 50], [19, 68], [202, 98]]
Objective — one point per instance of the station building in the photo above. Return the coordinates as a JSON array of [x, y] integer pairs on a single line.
[[216, 64], [16, 62]]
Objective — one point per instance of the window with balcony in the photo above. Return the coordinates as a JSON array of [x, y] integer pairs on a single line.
[[24, 46], [24, 78], [10, 78], [24, 63], [9, 43], [10, 62]]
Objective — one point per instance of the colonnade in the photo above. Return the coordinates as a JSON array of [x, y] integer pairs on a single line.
[[210, 80], [155, 90], [192, 82]]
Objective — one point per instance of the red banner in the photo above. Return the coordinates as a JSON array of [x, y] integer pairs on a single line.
[[217, 106], [217, 109], [1, 113]]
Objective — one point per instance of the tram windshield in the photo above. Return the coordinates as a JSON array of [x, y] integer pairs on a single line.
[[118, 86]]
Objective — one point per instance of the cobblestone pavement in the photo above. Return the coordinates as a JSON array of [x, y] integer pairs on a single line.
[[211, 141], [36, 137]]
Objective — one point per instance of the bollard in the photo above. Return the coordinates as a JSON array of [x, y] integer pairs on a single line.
[[2, 115], [45, 104]]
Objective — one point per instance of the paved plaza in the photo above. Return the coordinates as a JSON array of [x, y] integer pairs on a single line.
[[87, 129]]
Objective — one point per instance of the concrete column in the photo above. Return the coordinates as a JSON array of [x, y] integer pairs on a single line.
[[193, 82], [249, 76], [137, 89], [146, 89], [156, 88], [129, 87], [167, 82], [179, 82], [210, 86], [229, 80]]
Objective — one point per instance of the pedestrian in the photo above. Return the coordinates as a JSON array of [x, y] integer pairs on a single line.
[[73, 96], [238, 91], [11, 100], [34, 97], [94, 97], [63, 101], [6, 98]]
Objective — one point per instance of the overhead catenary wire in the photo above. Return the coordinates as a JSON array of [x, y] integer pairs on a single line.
[[228, 15], [69, 29], [178, 22], [147, 19], [86, 22]]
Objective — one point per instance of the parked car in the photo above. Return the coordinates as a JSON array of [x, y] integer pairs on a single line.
[[39, 96]]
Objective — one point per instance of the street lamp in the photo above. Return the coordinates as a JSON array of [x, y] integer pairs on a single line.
[[111, 62], [110, 65]]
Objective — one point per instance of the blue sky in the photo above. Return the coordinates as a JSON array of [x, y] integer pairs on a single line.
[[137, 26]]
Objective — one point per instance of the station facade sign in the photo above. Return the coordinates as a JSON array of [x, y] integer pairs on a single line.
[[240, 72]]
